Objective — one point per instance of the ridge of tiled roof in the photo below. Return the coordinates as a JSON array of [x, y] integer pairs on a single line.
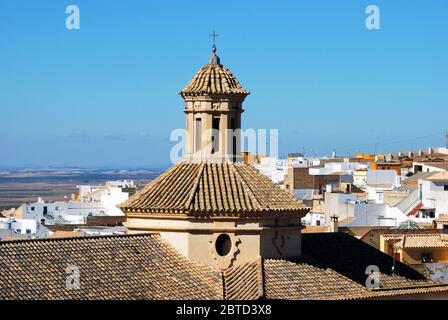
[[197, 188], [213, 79]]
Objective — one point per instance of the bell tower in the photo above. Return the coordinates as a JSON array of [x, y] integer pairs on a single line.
[[213, 106], [212, 207]]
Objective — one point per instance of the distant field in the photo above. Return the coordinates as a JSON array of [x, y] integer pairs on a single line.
[[20, 186]]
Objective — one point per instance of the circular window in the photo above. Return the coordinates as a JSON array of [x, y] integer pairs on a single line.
[[223, 244]]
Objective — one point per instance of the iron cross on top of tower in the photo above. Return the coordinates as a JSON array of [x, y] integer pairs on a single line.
[[214, 59], [214, 35]]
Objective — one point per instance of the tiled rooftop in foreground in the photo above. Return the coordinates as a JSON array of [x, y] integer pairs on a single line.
[[146, 267]]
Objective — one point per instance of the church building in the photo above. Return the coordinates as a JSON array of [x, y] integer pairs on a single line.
[[211, 206], [210, 227]]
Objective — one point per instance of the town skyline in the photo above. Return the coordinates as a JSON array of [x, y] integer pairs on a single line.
[[244, 154], [314, 71]]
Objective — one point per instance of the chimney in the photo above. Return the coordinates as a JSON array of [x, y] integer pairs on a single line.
[[334, 225], [333, 154]]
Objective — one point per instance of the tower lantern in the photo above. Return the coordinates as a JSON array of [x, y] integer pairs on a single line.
[[213, 105]]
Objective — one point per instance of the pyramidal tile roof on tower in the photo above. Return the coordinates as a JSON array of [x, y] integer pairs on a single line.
[[213, 79], [212, 188]]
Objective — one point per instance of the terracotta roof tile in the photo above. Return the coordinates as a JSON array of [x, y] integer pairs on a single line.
[[213, 79], [65, 234], [438, 177], [314, 229], [111, 267], [443, 218], [244, 282], [146, 267], [336, 251], [212, 188], [305, 280], [420, 240]]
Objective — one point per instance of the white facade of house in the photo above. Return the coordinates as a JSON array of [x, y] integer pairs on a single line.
[[361, 211], [19, 226], [383, 177], [338, 204], [314, 219], [428, 167], [360, 178], [434, 198], [375, 215], [338, 167], [92, 201], [303, 162], [275, 169]]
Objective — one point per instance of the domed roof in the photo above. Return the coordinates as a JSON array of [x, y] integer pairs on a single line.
[[213, 78], [213, 188]]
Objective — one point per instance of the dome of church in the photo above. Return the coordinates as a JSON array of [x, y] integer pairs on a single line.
[[213, 78], [206, 188]]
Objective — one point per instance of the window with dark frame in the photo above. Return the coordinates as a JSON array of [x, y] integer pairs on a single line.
[[232, 127], [198, 134], [215, 134]]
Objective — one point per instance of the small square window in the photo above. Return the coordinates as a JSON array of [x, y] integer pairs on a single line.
[[32, 208], [445, 187]]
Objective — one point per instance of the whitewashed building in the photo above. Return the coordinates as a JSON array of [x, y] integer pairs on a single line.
[[433, 193], [91, 201], [18, 226], [274, 168], [359, 211]]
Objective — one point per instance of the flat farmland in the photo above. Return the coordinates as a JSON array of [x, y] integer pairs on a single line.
[[20, 186]]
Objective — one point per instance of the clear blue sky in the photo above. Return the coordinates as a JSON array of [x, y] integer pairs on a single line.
[[107, 94]]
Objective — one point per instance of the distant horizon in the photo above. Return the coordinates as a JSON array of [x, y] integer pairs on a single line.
[[106, 95], [168, 165]]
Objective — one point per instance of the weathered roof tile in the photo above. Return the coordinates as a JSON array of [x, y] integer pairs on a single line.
[[213, 79], [111, 267], [207, 188]]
